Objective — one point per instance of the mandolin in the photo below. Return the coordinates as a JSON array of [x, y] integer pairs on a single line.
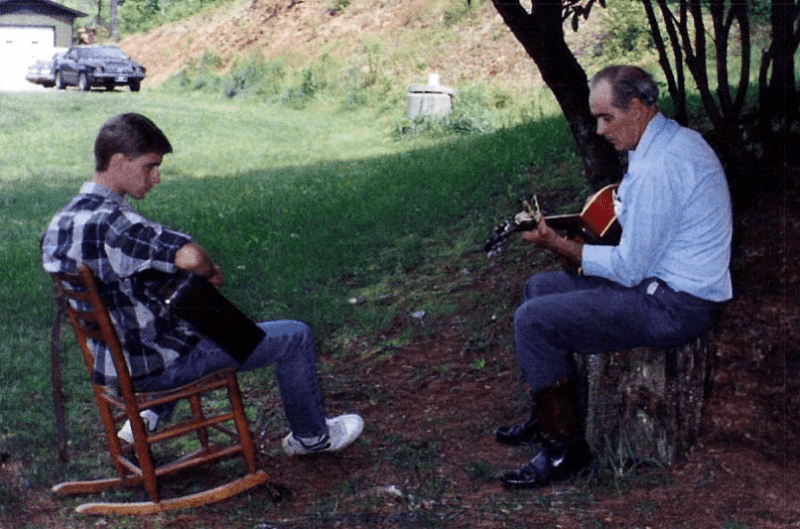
[[595, 224]]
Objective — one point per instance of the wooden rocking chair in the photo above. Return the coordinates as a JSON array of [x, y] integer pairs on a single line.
[[89, 318]]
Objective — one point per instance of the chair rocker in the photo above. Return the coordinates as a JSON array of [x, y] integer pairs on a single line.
[[135, 464]]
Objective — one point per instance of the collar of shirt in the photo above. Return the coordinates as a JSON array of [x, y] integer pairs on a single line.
[[656, 124], [93, 188]]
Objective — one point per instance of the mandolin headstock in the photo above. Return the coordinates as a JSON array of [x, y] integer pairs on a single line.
[[494, 244]]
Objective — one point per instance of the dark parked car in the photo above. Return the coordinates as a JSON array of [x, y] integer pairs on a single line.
[[88, 66]]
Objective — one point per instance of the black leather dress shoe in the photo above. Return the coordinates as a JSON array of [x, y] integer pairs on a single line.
[[556, 461], [527, 433]]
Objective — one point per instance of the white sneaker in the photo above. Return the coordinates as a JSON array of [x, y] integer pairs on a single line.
[[150, 422], [342, 431]]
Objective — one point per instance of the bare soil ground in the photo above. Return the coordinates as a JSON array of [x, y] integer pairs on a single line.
[[431, 409]]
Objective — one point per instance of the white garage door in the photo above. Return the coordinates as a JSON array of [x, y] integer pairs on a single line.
[[19, 47]]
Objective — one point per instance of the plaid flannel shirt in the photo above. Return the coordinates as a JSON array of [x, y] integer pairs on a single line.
[[100, 229]]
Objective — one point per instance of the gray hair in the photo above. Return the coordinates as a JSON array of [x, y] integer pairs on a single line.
[[628, 82]]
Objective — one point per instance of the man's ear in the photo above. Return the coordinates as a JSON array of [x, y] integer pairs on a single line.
[[116, 160], [636, 105], [113, 176]]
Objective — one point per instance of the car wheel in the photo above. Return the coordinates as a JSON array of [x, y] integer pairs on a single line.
[[135, 86], [60, 81], [83, 82]]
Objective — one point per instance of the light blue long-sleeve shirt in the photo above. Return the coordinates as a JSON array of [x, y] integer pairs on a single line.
[[675, 211]]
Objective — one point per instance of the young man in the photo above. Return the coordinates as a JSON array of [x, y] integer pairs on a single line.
[[123, 248], [658, 287]]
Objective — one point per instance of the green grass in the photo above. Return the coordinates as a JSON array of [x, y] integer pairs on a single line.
[[303, 209]]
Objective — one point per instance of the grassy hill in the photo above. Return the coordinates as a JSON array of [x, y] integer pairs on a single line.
[[400, 42]]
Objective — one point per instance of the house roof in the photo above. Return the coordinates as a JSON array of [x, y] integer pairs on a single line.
[[52, 5]]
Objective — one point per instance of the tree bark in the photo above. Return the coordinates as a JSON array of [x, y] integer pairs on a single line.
[[676, 83], [541, 33], [112, 20], [778, 97], [645, 404]]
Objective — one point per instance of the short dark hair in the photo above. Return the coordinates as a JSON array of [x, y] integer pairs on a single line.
[[628, 82], [131, 135]]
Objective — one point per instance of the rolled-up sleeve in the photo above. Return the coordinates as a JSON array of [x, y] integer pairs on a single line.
[[135, 244]]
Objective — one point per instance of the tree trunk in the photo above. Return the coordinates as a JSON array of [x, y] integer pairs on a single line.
[[112, 20], [645, 404], [778, 97], [541, 33], [675, 81]]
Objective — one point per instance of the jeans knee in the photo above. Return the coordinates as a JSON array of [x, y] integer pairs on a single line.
[[525, 317], [519, 318], [295, 328], [303, 329]]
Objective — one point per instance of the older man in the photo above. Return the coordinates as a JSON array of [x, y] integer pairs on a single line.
[[658, 287]]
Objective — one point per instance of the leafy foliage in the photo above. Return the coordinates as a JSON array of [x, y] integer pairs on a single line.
[[624, 37], [143, 15]]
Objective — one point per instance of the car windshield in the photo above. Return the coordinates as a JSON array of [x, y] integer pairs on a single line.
[[107, 53]]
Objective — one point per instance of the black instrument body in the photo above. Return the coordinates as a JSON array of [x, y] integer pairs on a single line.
[[197, 301]]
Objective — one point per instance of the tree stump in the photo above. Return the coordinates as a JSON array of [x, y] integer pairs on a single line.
[[645, 404]]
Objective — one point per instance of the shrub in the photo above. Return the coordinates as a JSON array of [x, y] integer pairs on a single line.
[[256, 77]]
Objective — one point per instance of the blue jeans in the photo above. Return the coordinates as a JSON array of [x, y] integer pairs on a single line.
[[563, 312], [289, 345]]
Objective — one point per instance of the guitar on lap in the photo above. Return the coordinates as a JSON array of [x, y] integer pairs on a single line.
[[595, 224], [197, 301]]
